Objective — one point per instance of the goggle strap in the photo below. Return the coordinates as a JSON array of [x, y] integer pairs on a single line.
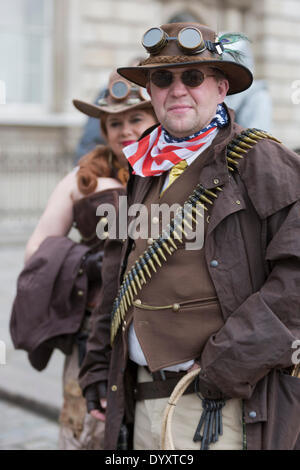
[[216, 47]]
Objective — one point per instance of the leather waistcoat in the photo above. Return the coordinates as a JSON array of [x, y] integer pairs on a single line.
[[177, 310]]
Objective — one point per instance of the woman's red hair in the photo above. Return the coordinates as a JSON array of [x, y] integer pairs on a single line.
[[93, 165]]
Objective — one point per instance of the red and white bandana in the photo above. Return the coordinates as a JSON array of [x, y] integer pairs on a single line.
[[153, 155], [159, 151]]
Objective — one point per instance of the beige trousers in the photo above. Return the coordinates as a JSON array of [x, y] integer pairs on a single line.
[[149, 414]]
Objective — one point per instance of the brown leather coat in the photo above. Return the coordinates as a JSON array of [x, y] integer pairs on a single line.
[[53, 291], [254, 236]]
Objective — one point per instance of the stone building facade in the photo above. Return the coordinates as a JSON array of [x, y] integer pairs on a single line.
[[85, 40]]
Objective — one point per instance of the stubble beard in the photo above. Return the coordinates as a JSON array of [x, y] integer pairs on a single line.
[[179, 127]]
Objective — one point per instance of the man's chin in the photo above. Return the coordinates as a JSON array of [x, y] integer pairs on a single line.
[[179, 129], [179, 132]]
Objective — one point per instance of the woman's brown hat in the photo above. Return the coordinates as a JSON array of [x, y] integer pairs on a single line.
[[170, 53], [120, 96]]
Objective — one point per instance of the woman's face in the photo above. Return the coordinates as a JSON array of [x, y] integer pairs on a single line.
[[126, 128]]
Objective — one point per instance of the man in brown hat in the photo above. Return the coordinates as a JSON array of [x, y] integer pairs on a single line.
[[229, 309]]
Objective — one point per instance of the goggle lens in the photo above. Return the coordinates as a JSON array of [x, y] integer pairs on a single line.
[[119, 90], [152, 37], [191, 78], [190, 39]]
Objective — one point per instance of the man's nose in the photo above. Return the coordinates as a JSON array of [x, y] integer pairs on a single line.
[[177, 88]]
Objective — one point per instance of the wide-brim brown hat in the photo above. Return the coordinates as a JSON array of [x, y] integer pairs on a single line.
[[171, 55], [135, 98]]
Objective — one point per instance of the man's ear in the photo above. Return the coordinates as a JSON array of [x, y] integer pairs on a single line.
[[223, 86], [148, 88]]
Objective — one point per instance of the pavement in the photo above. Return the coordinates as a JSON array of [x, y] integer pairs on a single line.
[[29, 400]]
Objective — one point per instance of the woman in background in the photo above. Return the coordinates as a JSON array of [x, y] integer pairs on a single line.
[[100, 178]]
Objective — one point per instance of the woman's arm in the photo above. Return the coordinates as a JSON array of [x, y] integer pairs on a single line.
[[58, 216]]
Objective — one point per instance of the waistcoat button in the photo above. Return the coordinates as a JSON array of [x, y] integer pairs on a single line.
[[114, 388], [80, 293], [252, 414], [214, 263]]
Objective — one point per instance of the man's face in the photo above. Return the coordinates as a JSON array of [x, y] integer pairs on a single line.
[[184, 110]]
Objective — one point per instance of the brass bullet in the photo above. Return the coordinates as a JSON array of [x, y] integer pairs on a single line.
[[197, 212], [185, 222], [202, 205], [236, 148], [157, 259], [152, 264], [179, 227], [127, 298], [132, 283], [160, 251], [230, 160], [144, 264], [171, 241], [246, 146], [248, 140], [130, 292], [234, 154], [140, 271], [255, 136], [178, 238], [191, 217], [123, 312], [137, 280], [260, 133], [166, 248], [205, 199], [210, 193]]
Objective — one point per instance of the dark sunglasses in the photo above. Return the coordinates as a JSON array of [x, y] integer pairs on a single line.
[[191, 78]]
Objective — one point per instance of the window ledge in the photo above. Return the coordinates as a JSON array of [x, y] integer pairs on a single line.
[[42, 119]]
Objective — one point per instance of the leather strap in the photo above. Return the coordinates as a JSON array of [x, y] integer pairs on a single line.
[[160, 388]]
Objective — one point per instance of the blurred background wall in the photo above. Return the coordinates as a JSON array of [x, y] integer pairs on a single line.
[[54, 50]]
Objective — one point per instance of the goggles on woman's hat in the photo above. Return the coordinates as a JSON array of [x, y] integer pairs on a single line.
[[121, 89], [120, 96], [185, 44]]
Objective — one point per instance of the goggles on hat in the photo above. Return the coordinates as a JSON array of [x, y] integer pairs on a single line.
[[189, 40], [119, 90], [191, 78]]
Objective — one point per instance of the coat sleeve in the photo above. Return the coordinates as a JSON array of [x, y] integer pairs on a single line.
[[96, 363], [259, 335]]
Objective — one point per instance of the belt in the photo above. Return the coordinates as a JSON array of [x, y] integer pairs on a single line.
[[162, 386]]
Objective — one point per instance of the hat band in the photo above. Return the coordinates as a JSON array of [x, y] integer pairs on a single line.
[[176, 59]]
